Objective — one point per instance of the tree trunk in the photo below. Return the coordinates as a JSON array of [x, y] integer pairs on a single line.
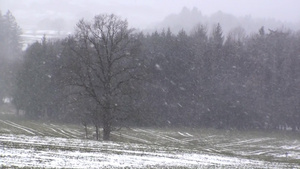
[[86, 132], [85, 129], [97, 132], [106, 125], [293, 127], [106, 132]]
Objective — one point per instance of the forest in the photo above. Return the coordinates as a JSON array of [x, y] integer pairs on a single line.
[[108, 75]]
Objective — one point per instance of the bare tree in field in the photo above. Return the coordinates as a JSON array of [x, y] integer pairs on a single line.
[[103, 64]]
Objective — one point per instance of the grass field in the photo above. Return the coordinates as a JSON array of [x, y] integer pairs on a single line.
[[30, 144]]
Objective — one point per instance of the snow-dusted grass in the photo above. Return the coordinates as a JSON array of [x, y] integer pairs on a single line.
[[47, 145]]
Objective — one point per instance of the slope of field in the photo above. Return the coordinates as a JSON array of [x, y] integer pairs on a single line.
[[37, 144]]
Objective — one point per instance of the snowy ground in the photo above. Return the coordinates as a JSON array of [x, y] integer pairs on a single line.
[[31, 144]]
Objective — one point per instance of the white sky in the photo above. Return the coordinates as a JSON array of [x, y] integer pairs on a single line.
[[142, 13]]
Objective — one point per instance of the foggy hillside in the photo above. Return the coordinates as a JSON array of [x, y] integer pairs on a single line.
[[187, 19]]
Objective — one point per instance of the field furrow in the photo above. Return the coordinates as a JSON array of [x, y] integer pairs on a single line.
[[43, 145]]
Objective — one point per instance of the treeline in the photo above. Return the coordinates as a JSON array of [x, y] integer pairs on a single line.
[[208, 80], [108, 75]]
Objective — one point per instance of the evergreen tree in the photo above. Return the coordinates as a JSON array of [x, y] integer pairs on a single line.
[[38, 90], [10, 51]]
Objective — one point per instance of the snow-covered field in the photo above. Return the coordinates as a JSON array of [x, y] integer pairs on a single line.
[[32, 144]]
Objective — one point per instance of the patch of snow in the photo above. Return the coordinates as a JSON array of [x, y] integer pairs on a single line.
[[181, 134], [18, 126], [181, 88], [158, 67], [188, 134], [91, 154]]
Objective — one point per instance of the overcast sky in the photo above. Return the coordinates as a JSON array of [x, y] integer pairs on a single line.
[[142, 13]]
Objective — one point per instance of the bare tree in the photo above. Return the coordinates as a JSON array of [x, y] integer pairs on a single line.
[[104, 62]]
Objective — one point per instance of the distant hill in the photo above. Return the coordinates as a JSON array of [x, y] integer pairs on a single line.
[[31, 36], [187, 19]]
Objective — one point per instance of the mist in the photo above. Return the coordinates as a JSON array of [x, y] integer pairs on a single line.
[[56, 18], [149, 84], [142, 14]]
